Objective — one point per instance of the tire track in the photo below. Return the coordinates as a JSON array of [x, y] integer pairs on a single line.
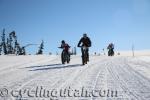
[[26, 80], [61, 82], [75, 80], [98, 79], [122, 83], [33, 77], [129, 79]]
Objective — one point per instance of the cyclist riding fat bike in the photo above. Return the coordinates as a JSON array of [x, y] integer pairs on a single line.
[[85, 42], [65, 48], [110, 49]]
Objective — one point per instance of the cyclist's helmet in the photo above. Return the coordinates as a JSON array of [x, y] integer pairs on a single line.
[[62, 41], [85, 35]]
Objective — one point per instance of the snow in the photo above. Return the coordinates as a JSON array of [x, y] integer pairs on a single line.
[[103, 78], [145, 58], [136, 53]]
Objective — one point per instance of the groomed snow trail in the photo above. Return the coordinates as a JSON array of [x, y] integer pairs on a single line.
[[103, 78]]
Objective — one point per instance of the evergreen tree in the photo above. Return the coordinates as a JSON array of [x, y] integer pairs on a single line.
[[10, 43], [4, 43], [9, 46], [40, 51], [0, 48], [20, 50], [15, 44], [23, 51]]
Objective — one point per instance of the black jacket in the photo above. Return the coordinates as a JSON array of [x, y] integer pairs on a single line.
[[85, 42]]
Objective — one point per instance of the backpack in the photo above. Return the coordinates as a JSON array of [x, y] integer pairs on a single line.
[[86, 42]]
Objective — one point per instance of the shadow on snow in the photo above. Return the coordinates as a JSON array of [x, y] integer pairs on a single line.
[[51, 66]]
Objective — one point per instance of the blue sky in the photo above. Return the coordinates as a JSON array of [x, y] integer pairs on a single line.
[[123, 22]]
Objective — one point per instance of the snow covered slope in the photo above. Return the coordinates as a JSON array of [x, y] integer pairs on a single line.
[[103, 78]]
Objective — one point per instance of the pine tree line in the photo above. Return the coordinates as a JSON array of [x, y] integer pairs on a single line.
[[10, 45]]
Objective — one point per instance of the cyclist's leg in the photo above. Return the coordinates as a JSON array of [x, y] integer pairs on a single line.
[[109, 52], [87, 54], [82, 51], [62, 57], [112, 52], [67, 56]]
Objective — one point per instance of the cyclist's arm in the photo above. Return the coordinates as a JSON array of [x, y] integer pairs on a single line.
[[89, 42], [61, 46], [79, 42]]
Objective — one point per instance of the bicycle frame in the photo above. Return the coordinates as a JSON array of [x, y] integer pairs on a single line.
[[65, 57], [84, 55]]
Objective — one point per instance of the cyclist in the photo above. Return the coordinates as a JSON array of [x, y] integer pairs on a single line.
[[85, 42], [110, 49], [65, 48]]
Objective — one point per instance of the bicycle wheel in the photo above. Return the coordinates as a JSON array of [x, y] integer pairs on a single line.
[[67, 56], [84, 57], [62, 57]]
